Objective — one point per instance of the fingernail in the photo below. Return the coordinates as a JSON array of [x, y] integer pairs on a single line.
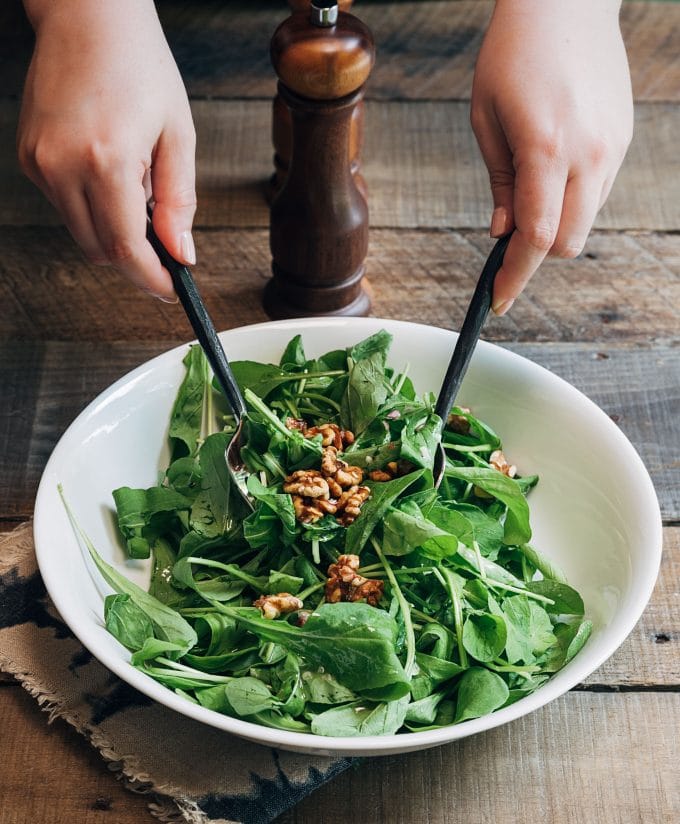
[[498, 220], [167, 300], [186, 245], [502, 307]]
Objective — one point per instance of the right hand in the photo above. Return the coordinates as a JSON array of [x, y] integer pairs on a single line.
[[105, 124]]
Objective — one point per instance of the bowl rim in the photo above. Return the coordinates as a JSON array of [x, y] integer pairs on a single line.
[[560, 683]]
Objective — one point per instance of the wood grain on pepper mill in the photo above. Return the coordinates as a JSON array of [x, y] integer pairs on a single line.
[[319, 219], [282, 127]]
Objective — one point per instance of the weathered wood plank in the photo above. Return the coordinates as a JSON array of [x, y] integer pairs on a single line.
[[426, 48], [587, 758], [51, 774], [625, 288], [421, 163]]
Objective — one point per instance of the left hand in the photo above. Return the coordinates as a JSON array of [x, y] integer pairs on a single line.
[[552, 112]]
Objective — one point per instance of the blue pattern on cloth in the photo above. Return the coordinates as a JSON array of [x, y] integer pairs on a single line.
[[192, 772]]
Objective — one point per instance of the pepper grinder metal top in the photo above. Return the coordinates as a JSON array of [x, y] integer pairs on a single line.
[[319, 218], [324, 12]]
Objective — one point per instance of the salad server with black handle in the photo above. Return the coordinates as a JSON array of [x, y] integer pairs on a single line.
[[475, 317], [201, 323]]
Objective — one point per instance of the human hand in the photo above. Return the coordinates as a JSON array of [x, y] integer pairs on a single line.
[[105, 124], [552, 112]]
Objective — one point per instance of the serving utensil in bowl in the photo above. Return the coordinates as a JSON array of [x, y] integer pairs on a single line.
[[201, 323], [475, 316]]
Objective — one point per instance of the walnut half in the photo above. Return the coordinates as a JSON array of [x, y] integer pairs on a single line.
[[272, 606], [345, 584]]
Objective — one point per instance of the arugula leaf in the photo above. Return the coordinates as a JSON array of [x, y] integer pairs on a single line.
[[505, 489], [420, 440], [187, 412], [382, 496], [352, 641]]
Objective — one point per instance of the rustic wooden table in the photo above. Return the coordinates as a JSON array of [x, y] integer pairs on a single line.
[[608, 322]]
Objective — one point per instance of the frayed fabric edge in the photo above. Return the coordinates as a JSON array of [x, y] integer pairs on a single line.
[[164, 807]]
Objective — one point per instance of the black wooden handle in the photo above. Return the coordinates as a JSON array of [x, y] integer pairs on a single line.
[[472, 326], [200, 322]]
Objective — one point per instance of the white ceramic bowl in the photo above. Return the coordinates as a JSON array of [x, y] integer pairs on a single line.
[[594, 511]]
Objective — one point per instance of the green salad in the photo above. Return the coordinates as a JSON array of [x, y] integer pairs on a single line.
[[356, 599]]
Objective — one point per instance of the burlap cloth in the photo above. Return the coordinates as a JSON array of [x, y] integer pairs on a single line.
[[191, 772]]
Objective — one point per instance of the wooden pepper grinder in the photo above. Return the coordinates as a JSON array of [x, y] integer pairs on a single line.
[[319, 219], [282, 128]]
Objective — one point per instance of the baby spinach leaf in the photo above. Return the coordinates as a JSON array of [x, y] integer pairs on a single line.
[[361, 720], [168, 624], [353, 641], [293, 354], [143, 513], [153, 647], [424, 711], [127, 622], [367, 390], [488, 531], [480, 691], [382, 496], [248, 696], [322, 688], [406, 528], [379, 344], [187, 413], [218, 509], [273, 521], [260, 378], [484, 635], [566, 600], [184, 476], [517, 529], [529, 629], [420, 439], [432, 672]]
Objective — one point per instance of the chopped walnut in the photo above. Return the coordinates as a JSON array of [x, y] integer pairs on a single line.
[[331, 435], [345, 584], [340, 471], [303, 617], [329, 461], [297, 423], [350, 502], [272, 606], [334, 490], [380, 475], [498, 461], [307, 510], [309, 483], [458, 423]]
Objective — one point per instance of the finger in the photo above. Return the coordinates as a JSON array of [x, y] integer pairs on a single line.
[[498, 159], [539, 194], [118, 207], [174, 193], [580, 207], [75, 209]]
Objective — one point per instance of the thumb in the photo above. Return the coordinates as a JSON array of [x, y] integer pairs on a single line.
[[173, 176], [498, 159]]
